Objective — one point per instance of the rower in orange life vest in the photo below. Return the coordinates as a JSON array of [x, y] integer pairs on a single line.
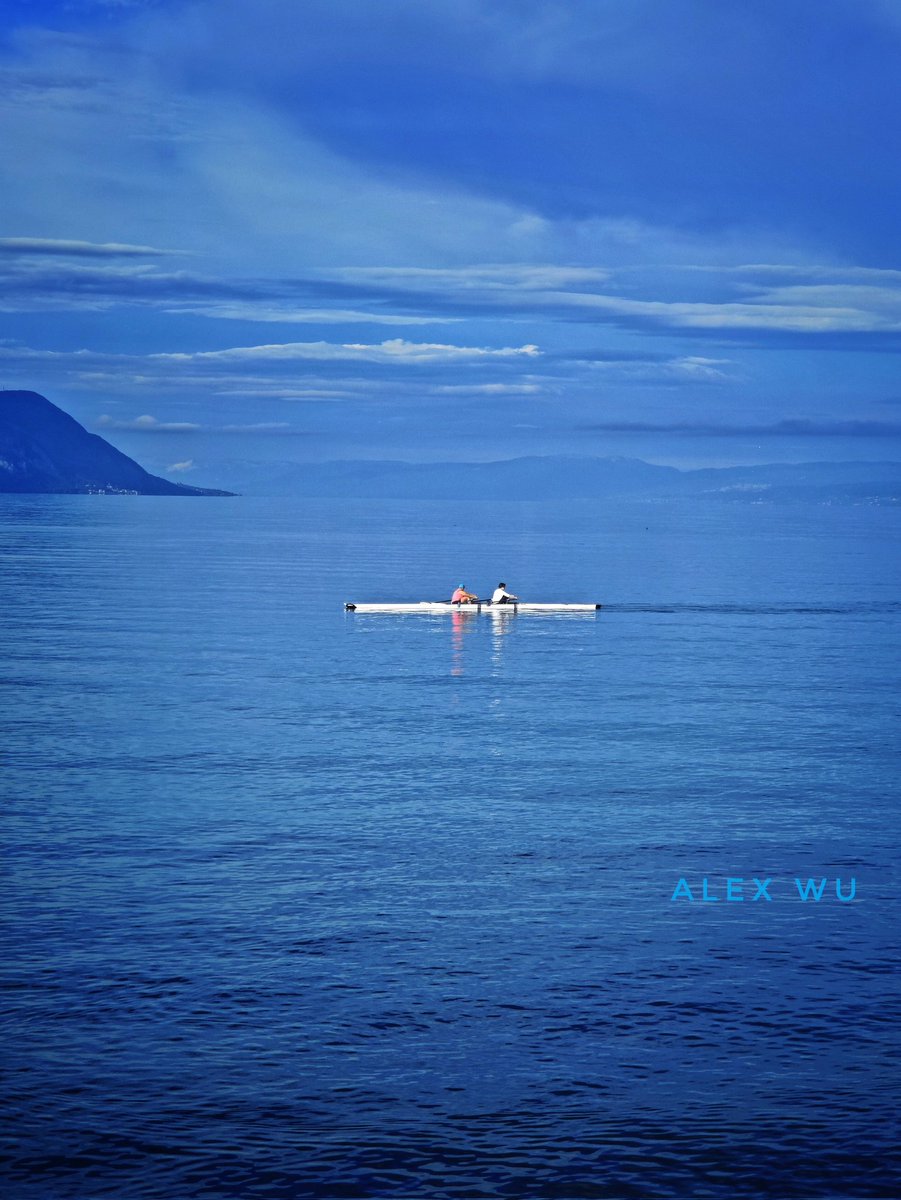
[[461, 596]]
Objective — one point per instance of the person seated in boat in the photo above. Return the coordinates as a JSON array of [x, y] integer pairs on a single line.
[[500, 595], [461, 596]]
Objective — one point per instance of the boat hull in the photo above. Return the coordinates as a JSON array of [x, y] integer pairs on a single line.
[[439, 607]]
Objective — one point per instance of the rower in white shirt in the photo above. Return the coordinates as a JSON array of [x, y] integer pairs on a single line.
[[502, 596]]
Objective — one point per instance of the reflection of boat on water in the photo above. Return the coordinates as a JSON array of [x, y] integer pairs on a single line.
[[501, 623], [443, 606], [499, 614], [460, 623]]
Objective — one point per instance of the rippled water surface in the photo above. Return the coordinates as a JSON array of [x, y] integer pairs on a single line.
[[306, 904]]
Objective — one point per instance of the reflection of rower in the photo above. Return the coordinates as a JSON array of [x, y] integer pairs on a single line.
[[461, 596], [461, 623], [502, 596], [503, 621]]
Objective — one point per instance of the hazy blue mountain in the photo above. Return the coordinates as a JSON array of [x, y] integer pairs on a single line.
[[562, 478], [825, 482], [43, 449]]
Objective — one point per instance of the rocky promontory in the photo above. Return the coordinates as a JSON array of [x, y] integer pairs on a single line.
[[43, 449]]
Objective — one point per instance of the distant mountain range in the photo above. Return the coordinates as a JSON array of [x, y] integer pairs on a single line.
[[561, 478], [43, 449]]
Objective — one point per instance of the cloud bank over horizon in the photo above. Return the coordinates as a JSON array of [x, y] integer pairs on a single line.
[[595, 229]]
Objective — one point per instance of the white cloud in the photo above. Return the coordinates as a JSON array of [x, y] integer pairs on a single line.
[[687, 369], [836, 273], [396, 350], [300, 316], [501, 276], [274, 389], [884, 302], [71, 248], [176, 468], [36, 274], [319, 372], [700, 368], [835, 307], [147, 424], [486, 389], [259, 427], [851, 301]]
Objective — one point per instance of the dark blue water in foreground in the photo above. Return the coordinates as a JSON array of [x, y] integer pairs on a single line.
[[301, 904]]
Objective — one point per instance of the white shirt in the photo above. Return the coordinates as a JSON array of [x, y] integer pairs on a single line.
[[499, 595]]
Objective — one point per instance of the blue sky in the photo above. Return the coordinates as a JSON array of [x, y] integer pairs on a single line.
[[456, 229]]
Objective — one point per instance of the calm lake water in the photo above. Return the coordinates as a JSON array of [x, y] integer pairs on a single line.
[[306, 904]]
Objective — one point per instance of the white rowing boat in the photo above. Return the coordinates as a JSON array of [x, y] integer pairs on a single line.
[[444, 606]]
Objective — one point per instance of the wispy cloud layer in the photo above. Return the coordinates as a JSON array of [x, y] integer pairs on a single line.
[[150, 424], [266, 369], [839, 302], [62, 247], [611, 211], [802, 308], [147, 424], [394, 351]]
